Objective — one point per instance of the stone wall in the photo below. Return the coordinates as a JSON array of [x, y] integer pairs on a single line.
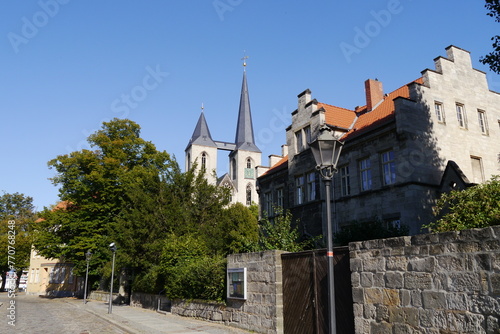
[[149, 301], [262, 311], [432, 283]]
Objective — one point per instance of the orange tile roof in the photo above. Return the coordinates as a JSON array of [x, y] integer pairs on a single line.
[[338, 116], [282, 163], [366, 120]]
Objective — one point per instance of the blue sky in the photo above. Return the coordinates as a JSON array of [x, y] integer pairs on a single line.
[[68, 65]]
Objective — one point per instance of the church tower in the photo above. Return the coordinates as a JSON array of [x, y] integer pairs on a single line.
[[202, 150], [244, 155]]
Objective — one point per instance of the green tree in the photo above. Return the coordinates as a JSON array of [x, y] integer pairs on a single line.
[[17, 215], [493, 58], [477, 206], [94, 184], [191, 270], [280, 234]]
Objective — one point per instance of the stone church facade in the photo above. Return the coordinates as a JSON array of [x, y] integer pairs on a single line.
[[244, 155], [436, 133]]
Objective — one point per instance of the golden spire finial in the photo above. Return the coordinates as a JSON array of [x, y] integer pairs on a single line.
[[245, 57]]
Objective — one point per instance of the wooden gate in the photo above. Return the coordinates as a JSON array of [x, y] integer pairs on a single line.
[[305, 292]]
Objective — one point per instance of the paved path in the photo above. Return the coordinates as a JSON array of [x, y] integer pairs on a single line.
[[68, 315]]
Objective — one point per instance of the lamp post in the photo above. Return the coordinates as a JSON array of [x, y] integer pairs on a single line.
[[326, 149], [112, 247], [88, 255]]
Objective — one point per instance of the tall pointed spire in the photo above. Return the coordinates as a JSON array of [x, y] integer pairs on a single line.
[[244, 130], [201, 134]]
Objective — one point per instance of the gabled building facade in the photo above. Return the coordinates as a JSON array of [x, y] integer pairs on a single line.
[[392, 167], [244, 155]]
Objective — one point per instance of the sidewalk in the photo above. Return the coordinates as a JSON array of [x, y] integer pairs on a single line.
[[138, 320]]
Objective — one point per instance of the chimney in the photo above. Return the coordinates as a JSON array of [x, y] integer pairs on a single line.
[[374, 93]]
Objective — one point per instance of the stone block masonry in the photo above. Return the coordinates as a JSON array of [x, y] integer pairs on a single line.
[[262, 311], [430, 283]]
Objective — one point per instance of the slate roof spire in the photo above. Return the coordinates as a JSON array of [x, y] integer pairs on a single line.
[[201, 134], [244, 130]]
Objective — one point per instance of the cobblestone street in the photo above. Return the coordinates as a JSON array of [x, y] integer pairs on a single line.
[[37, 315], [40, 315]]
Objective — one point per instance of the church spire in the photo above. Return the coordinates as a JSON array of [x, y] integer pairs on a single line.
[[244, 130], [201, 134]]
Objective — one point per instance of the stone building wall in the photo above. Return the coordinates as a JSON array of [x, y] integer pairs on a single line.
[[432, 283], [262, 311]]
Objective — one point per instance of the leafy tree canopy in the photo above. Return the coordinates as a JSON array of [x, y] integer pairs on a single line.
[[94, 185], [493, 58], [17, 215], [477, 206]]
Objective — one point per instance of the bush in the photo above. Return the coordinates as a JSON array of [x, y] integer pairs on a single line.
[[190, 273], [474, 207]]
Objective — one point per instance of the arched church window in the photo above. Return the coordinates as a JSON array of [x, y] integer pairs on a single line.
[[203, 160], [189, 161], [249, 194], [249, 163], [233, 168]]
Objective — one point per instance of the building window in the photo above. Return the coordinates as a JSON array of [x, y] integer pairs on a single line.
[[438, 108], [477, 169], [233, 168], [299, 141], [268, 204], [189, 161], [280, 198], [249, 171], [345, 182], [311, 186], [461, 117], [57, 275], [365, 174], [299, 189], [483, 125], [388, 167], [32, 278], [37, 275], [307, 135], [249, 195], [203, 161]]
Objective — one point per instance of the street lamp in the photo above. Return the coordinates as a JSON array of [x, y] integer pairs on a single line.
[[88, 255], [326, 150], [112, 247]]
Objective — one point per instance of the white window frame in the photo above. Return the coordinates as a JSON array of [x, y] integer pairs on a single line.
[[461, 115], [311, 186], [345, 181], [365, 174], [483, 122], [299, 190], [388, 167], [439, 111]]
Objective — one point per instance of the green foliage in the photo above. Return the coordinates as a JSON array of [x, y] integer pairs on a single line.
[[94, 185], [129, 193], [17, 216], [190, 271], [477, 206], [368, 231], [493, 58], [279, 234]]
